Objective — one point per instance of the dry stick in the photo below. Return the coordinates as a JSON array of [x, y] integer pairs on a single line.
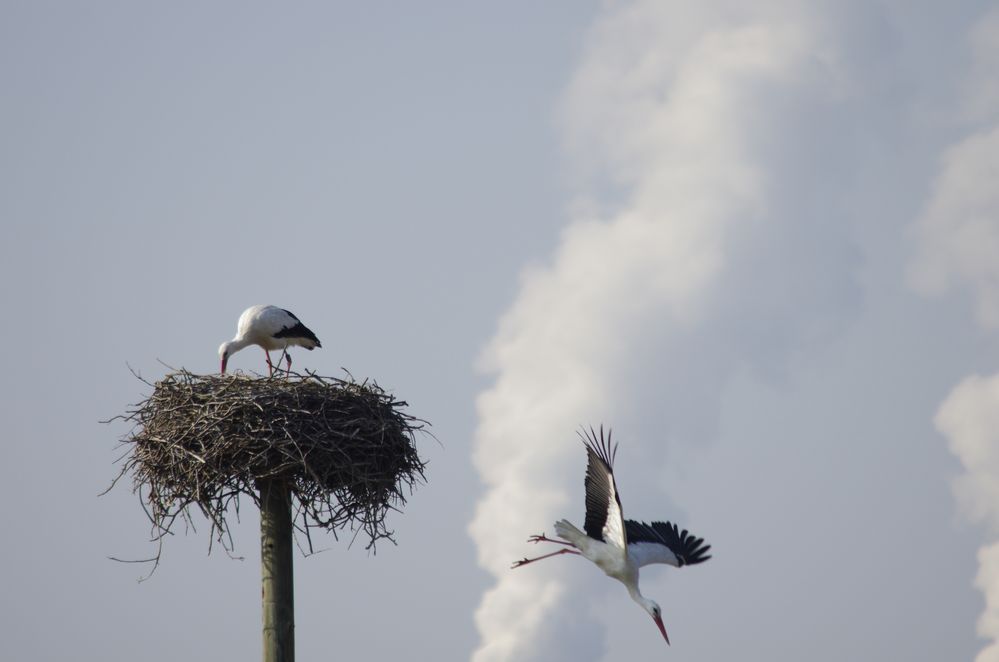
[[343, 451], [199, 440]]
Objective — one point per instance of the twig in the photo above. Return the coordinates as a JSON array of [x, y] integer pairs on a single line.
[[347, 450]]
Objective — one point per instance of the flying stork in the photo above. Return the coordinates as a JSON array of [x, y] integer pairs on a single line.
[[619, 546], [271, 328]]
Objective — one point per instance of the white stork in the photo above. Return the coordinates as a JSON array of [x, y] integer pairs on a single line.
[[271, 328], [619, 546]]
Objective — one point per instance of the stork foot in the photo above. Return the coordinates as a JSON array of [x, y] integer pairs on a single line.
[[525, 561]]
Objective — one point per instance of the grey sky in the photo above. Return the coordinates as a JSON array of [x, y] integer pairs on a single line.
[[388, 172], [383, 174], [740, 304]]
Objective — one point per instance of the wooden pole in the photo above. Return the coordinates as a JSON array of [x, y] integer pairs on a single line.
[[276, 571]]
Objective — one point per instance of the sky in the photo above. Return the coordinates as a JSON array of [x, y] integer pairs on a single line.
[[760, 243]]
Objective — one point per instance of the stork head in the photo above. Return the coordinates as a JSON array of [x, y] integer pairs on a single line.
[[225, 351], [657, 615]]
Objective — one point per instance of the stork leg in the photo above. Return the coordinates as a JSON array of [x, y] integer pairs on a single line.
[[526, 561], [270, 367], [541, 538], [287, 357]]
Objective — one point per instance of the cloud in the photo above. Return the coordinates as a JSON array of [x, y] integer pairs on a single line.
[[969, 418], [959, 230], [987, 580], [694, 242], [957, 245]]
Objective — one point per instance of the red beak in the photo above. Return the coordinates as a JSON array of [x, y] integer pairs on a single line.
[[224, 361], [662, 628]]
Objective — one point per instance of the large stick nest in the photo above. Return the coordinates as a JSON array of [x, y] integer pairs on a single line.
[[345, 449]]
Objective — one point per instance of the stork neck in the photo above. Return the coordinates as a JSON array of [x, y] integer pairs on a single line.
[[238, 343], [637, 596]]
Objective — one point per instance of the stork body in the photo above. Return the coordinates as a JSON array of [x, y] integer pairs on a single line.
[[618, 546], [271, 328]]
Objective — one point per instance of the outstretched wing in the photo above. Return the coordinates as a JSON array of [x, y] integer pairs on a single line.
[[663, 542], [604, 520]]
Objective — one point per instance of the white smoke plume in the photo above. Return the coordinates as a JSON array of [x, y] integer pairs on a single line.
[[969, 418], [959, 232], [987, 580], [682, 120], [958, 235]]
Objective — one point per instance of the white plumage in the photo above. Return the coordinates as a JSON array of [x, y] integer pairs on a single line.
[[618, 546], [271, 328]]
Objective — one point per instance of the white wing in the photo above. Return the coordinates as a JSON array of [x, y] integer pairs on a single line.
[[644, 553], [664, 542], [604, 520]]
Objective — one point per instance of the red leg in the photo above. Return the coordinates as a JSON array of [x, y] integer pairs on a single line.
[[541, 538], [287, 357], [270, 368], [526, 561]]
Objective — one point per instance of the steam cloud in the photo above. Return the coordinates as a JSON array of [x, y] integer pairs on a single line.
[[675, 118], [959, 244], [969, 418], [714, 230]]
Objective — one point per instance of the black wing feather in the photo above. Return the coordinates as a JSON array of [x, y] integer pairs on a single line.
[[687, 549], [297, 331], [599, 481]]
